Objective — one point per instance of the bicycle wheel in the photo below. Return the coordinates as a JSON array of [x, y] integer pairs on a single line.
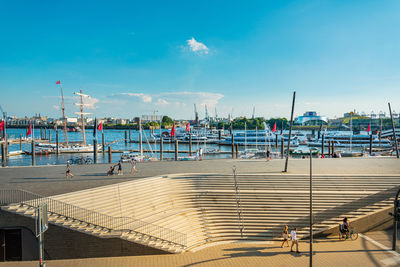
[[89, 161], [354, 236]]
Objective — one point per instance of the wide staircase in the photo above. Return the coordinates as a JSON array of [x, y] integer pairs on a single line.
[[179, 212]]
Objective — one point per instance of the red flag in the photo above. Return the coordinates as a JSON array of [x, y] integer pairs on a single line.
[[369, 128], [187, 127], [173, 130], [274, 128], [58, 82], [29, 132], [100, 127], [2, 126]]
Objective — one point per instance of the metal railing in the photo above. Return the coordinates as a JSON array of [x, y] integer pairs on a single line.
[[20, 197]]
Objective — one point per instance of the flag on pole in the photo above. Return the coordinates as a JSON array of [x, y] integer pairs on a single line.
[[95, 127], [274, 128], [2, 126], [58, 82], [369, 128], [29, 132], [173, 130], [100, 127], [187, 127]]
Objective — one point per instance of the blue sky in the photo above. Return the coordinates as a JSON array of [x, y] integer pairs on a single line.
[[134, 57]]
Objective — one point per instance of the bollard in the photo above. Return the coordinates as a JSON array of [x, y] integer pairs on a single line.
[[126, 137], [370, 145], [20, 141], [237, 151], [176, 149], [103, 143], [109, 154], [233, 147], [276, 142], [94, 151], [57, 143], [161, 147], [33, 153], [190, 144]]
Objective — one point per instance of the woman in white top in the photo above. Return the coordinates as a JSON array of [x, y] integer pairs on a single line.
[[293, 234]]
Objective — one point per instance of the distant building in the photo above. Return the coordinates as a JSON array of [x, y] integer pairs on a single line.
[[311, 118]]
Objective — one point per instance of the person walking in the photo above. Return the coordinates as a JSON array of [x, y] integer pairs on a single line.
[[268, 155], [293, 235], [285, 235], [133, 166], [119, 168], [201, 153], [68, 171]]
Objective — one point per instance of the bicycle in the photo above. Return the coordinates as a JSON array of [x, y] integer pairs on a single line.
[[352, 234], [81, 160]]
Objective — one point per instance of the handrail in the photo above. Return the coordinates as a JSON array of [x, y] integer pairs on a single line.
[[23, 197]]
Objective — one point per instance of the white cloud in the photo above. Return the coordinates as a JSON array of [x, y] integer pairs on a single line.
[[162, 102], [145, 97], [90, 102], [202, 98], [197, 47]]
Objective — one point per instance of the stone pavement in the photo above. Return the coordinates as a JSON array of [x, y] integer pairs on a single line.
[[327, 252], [50, 180]]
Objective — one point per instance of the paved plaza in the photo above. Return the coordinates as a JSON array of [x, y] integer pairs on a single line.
[[370, 249], [327, 252]]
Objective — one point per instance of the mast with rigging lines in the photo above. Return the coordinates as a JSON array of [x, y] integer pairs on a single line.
[[81, 104]]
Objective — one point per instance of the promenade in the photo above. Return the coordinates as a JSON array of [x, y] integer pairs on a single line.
[[50, 180]]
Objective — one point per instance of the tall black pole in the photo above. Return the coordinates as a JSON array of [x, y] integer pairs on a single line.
[[395, 219], [311, 211], [103, 142], [370, 144], [95, 151], [5, 148], [161, 147], [33, 152], [290, 132], [190, 143], [233, 144], [322, 144], [394, 132], [176, 149], [57, 144]]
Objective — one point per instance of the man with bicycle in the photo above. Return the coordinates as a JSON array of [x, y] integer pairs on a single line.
[[344, 227]]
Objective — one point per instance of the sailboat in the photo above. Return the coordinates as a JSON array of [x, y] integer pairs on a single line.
[[70, 147]]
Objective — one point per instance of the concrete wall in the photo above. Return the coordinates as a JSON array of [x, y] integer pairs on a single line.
[[378, 220], [63, 243]]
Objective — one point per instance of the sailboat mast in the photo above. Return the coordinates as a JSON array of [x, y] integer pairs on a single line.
[[63, 112], [82, 119]]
